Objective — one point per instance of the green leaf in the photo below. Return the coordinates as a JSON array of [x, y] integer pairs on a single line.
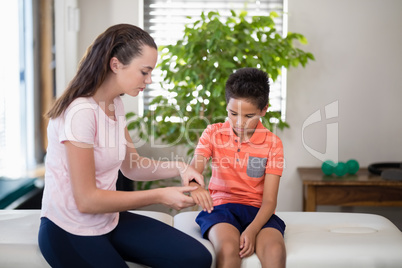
[[303, 40], [129, 115], [310, 56], [203, 16], [295, 62], [273, 14], [243, 14], [211, 14]]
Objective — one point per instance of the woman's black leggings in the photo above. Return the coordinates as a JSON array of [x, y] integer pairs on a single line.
[[136, 238]]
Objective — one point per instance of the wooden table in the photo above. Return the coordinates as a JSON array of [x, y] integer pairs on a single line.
[[361, 189]]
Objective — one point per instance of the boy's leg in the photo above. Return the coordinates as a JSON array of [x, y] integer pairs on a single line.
[[148, 241], [270, 248], [226, 241]]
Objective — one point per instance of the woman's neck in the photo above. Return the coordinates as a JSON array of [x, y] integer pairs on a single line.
[[104, 97], [106, 93]]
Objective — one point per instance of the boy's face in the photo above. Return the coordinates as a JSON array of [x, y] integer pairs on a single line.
[[244, 116]]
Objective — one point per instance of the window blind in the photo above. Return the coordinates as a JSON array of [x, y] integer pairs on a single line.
[[165, 21]]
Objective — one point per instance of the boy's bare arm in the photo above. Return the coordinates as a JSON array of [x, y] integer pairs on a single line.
[[269, 200], [268, 206], [201, 196], [199, 162]]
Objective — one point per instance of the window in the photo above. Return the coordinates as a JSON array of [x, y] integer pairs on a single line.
[[18, 118], [165, 20]]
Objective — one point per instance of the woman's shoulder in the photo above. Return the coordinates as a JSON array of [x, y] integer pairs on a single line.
[[81, 106], [83, 102]]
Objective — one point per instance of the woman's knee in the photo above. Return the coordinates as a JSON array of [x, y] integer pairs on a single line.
[[197, 257]]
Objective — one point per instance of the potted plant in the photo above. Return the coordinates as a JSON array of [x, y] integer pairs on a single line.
[[198, 66]]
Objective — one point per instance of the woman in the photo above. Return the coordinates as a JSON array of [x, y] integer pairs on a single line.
[[84, 220]]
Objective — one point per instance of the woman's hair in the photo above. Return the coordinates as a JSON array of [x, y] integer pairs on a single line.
[[123, 41], [251, 84]]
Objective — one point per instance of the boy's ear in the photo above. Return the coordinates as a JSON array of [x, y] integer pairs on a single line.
[[264, 110]]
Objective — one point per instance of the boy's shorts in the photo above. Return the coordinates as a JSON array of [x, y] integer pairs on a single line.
[[238, 215]]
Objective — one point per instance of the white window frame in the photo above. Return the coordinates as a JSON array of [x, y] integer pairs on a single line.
[[17, 96]]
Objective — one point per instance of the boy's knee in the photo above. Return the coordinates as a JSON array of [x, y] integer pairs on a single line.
[[278, 248], [228, 249], [273, 251]]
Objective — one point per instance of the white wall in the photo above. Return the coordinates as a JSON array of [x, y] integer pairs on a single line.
[[97, 15], [357, 45]]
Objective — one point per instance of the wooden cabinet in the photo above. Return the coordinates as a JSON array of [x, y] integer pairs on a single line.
[[361, 189]]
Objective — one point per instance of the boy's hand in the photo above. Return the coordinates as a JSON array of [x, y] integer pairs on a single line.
[[202, 197], [247, 243]]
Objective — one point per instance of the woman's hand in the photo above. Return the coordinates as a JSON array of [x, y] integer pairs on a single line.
[[188, 173], [247, 242], [202, 197], [176, 197]]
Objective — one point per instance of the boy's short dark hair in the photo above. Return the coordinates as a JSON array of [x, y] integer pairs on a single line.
[[251, 84]]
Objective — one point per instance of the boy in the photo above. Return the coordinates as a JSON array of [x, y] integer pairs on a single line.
[[247, 162]]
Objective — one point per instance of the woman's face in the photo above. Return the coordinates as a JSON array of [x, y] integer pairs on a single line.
[[133, 78]]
